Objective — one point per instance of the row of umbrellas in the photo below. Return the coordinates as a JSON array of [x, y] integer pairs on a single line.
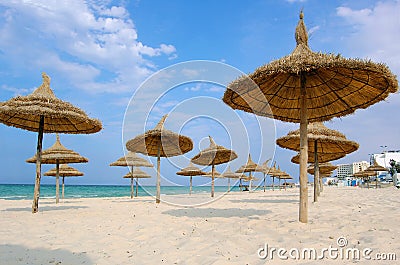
[[308, 86]]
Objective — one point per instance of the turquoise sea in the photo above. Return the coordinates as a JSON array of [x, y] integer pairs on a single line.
[[25, 191]]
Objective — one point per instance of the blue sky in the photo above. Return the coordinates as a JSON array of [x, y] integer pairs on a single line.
[[101, 55]]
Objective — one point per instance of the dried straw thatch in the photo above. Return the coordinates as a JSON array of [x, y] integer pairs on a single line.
[[306, 86], [191, 171], [160, 142], [213, 155], [64, 171], [136, 173], [131, 160], [24, 112], [328, 141], [323, 168], [43, 112], [250, 166], [58, 154], [321, 158]]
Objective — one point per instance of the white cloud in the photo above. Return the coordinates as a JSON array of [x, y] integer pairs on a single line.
[[78, 38], [375, 32]]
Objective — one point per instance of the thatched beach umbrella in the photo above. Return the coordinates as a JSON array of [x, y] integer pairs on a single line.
[[213, 155], [306, 86], [64, 171], [160, 142], [275, 173], [321, 140], [365, 175], [229, 174], [250, 167], [132, 160], [43, 112], [191, 171], [376, 168], [324, 169], [285, 177], [264, 168], [58, 154], [136, 173]]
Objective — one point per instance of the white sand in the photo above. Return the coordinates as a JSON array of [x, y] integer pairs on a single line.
[[227, 231]]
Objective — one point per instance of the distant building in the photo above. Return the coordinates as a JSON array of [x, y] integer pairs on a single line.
[[347, 170]]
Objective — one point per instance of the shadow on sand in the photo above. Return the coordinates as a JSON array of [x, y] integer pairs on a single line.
[[18, 254], [45, 208], [215, 212], [264, 201]]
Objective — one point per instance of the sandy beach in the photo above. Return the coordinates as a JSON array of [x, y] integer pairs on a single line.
[[229, 230]]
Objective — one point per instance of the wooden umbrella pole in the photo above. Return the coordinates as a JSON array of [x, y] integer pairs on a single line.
[[229, 184], [137, 186], [212, 180], [264, 182], [191, 182], [57, 181], [376, 180], [240, 184], [250, 181], [158, 173], [303, 206], [316, 171], [279, 183], [285, 184], [36, 194], [273, 182], [62, 192], [132, 187], [321, 187]]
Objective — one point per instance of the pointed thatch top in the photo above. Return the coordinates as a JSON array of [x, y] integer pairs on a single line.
[[131, 159], [250, 166], [375, 167], [329, 141], [191, 170], [137, 173], [214, 155], [229, 174], [170, 143], [59, 116], [64, 171], [335, 86], [58, 153]]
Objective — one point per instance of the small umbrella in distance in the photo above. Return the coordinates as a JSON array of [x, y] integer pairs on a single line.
[[58, 154], [213, 155], [64, 171], [321, 140], [43, 112], [376, 168], [136, 173], [250, 166], [191, 171], [160, 142], [132, 160]]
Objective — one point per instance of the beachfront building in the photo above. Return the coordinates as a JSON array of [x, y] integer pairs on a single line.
[[345, 172], [383, 159]]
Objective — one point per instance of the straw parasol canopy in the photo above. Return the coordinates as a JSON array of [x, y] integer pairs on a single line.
[[285, 177], [43, 112], [321, 140], [58, 154], [213, 155], [323, 168], [250, 166], [321, 157], [229, 174], [327, 141], [64, 171], [306, 86], [376, 168], [191, 171], [138, 174], [131, 160], [160, 142]]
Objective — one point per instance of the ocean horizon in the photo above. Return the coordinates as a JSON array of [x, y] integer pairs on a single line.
[[25, 191]]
